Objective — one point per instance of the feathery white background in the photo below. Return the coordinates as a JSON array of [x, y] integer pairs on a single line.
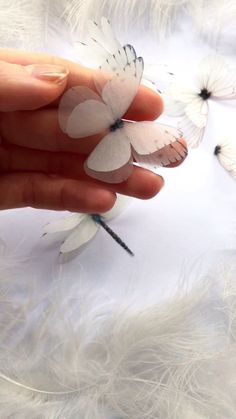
[[44, 343]]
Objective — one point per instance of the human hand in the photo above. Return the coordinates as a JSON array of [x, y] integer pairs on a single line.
[[42, 167]]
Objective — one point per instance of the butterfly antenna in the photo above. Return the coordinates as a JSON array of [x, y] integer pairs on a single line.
[[98, 219]]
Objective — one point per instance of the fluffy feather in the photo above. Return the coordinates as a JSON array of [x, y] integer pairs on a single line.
[[213, 18], [84, 356], [154, 16], [28, 24]]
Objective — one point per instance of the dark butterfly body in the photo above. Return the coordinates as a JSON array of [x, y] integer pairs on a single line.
[[98, 219], [205, 94]]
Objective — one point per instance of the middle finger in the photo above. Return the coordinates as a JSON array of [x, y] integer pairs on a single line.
[[141, 184]]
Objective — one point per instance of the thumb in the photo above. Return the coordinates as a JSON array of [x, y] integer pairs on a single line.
[[30, 87]]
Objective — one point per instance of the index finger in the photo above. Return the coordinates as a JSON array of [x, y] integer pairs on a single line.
[[147, 105]]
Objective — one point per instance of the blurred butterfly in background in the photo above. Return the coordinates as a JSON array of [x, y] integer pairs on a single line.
[[215, 80], [83, 113], [225, 152], [77, 229], [102, 43]]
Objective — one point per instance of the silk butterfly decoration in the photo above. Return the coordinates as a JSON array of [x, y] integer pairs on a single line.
[[215, 80], [102, 43], [83, 113], [225, 152], [75, 230]]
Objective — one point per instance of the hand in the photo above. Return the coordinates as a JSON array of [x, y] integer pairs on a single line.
[[42, 167]]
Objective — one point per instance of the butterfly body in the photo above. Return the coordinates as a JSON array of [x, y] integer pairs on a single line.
[[205, 94], [119, 123], [217, 150], [99, 220]]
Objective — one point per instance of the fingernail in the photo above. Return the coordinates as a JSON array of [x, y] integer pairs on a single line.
[[47, 72]]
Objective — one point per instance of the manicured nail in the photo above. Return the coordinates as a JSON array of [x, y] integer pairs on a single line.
[[48, 72]]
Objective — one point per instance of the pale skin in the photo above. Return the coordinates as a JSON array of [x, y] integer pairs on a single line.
[[39, 165]]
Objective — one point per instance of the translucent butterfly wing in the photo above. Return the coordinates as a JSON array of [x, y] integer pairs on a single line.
[[118, 94], [119, 64], [158, 73], [173, 107], [226, 156], [176, 98], [169, 155], [88, 118], [81, 235], [116, 56], [191, 133], [155, 144], [103, 35], [82, 113], [122, 202], [64, 224], [197, 112], [111, 160], [217, 77], [120, 61], [78, 107], [102, 45]]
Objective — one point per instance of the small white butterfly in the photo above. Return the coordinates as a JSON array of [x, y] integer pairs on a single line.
[[83, 113], [78, 229], [215, 80], [226, 155]]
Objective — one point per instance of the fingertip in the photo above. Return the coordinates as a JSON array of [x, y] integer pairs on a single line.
[[152, 186], [104, 201], [142, 184]]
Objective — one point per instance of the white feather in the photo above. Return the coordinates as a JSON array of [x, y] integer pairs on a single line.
[[80, 355], [213, 18], [29, 25], [154, 16]]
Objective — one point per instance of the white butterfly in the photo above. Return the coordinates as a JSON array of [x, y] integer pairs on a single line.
[[83, 113], [102, 44], [226, 154], [215, 80], [78, 229]]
